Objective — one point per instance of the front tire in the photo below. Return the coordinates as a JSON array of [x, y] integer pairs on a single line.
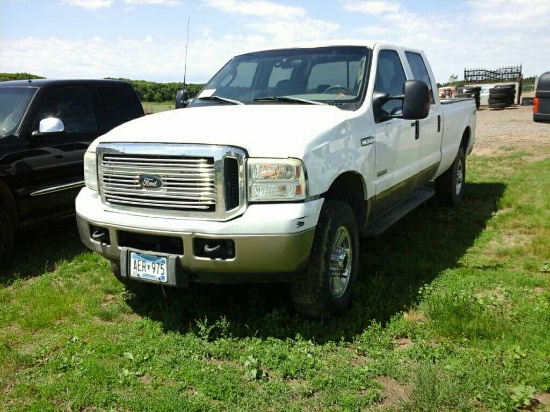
[[324, 287], [449, 187]]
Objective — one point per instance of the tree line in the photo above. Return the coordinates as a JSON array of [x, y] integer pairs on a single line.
[[147, 91], [161, 92]]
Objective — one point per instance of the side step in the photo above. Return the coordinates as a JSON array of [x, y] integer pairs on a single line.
[[383, 222]]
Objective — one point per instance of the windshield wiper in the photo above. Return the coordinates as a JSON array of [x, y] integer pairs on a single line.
[[220, 99], [288, 99]]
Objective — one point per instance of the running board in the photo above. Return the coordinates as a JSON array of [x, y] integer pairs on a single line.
[[383, 222]]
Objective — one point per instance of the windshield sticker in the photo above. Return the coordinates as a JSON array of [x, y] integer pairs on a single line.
[[207, 93]]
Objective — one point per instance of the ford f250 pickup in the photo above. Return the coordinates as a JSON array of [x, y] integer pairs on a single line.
[[275, 170], [45, 129]]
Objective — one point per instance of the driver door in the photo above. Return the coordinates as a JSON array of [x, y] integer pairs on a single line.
[[51, 168], [395, 142]]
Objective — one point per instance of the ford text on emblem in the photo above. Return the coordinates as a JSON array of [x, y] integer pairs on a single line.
[[150, 182]]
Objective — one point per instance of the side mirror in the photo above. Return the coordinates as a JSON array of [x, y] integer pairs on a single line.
[[416, 100], [379, 99], [182, 99], [49, 125]]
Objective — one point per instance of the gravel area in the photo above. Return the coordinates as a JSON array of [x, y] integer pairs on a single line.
[[513, 128]]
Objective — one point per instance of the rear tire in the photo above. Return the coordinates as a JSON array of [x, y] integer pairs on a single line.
[[449, 187], [324, 287], [6, 235]]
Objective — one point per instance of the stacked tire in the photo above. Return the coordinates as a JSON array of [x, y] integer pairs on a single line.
[[502, 96], [471, 92]]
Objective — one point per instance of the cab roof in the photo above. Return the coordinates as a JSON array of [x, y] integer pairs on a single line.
[[43, 82]]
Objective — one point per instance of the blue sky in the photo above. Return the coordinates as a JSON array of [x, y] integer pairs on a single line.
[[146, 39]]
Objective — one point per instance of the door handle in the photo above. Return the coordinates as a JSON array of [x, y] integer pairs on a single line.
[[416, 125]]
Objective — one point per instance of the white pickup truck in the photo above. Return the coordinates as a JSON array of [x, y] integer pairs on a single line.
[[275, 170]]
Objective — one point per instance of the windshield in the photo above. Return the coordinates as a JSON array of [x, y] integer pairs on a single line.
[[327, 75], [13, 104]]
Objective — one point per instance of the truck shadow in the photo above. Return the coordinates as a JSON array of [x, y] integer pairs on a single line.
[[393, 269], [40, 248]]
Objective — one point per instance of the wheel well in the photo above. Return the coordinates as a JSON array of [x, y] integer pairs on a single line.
[[465, 142], [349, 188]]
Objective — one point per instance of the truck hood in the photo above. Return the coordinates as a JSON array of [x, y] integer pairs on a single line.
[[263, 130]]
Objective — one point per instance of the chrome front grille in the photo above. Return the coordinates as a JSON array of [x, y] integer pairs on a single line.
[[187, 183], [170, 179]]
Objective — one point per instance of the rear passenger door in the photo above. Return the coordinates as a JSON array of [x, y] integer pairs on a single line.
[[429, 133]]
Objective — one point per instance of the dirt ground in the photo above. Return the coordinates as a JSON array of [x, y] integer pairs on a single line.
[[501, 131]]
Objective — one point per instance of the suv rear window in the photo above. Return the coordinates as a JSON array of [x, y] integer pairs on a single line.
[[118, 105]]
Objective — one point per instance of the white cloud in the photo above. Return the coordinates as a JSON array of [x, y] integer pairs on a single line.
[[160, 2], [204, 30], [511, 14], [284, 32], [276, 23], [156, 59], [259, 8], [452, 40], [89, 4], [372, 7]]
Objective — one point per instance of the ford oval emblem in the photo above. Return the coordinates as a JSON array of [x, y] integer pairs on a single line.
[[150, 182]]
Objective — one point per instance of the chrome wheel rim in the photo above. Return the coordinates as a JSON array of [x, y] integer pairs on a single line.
[[340, 262]]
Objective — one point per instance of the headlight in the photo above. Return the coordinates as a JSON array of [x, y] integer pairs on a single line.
[[90, 170], [276, 180]]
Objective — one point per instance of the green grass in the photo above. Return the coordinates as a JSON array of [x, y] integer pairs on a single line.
[[156, 107], [451, 313]]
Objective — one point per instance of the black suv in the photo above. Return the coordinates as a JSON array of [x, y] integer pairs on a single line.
[[45, 129]]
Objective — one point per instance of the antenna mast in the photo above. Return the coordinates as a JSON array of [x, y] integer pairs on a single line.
[[186, 45]]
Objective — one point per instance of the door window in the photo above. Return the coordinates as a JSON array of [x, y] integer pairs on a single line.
[[118, 104], [390, 79], [72, 105], [419, 70]]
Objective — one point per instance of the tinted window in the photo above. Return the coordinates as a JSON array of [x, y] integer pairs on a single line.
[[118, 105], [72, 105], [419, 71], [390, 79]]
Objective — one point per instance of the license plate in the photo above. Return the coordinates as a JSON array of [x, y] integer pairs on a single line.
[[148, 267]]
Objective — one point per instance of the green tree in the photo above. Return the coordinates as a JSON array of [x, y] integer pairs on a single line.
[[18, 76]]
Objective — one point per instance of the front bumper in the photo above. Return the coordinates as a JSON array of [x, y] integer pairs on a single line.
[[266, 243]]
